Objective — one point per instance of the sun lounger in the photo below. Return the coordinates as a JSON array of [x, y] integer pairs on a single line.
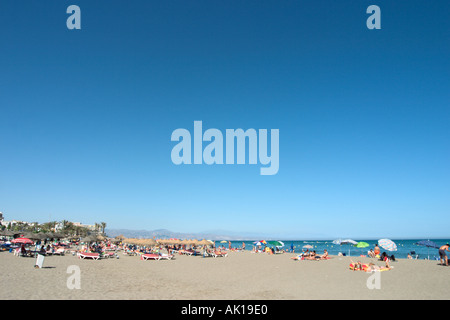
[[59, 251], [216, 254], [150, 256], [88, 255], [166, 256], [188, 253], [108, 255]]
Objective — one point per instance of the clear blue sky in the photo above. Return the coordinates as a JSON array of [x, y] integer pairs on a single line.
[[364, 115]]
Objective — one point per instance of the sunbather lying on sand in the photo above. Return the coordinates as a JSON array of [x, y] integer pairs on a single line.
[[370, 267]]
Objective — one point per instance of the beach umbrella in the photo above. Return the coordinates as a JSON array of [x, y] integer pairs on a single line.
[[149, 242], [131, 240], [164, 241], [387, 244], [22, 240], [345, 241], [204, 242], [429, 244], [6, 233], [276, 243], [40, 236], [90, 238], [33, 236], [224, 241], [361, 245], [51, 235], [259, 243], [174, 241], [56, 235], [308, 246], [186, 242]]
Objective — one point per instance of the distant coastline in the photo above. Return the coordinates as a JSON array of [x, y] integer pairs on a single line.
[[236, 236]]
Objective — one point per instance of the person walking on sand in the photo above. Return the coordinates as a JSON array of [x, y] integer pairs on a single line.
[[443, 255]]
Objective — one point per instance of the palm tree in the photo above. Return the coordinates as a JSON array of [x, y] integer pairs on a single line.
[[103, 224]]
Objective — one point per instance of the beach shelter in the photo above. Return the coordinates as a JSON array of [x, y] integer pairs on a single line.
[[42, 236], [31, 235], [205, 242], [91, 238], [387, 244], [149, 242], [429, 244], [6, 233]]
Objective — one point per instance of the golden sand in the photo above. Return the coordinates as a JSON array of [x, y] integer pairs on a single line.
[[240, 275]]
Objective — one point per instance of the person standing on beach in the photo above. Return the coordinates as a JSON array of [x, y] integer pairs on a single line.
[[442, 253]]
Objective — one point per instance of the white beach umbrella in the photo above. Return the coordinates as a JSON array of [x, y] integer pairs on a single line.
[[345, 241]]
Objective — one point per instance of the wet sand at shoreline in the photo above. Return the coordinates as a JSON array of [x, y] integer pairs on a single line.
[[240, 275]]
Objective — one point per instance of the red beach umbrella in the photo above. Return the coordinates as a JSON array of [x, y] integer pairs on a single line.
[[22, 240]]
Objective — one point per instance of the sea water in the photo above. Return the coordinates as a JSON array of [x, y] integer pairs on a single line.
[[403, 247]]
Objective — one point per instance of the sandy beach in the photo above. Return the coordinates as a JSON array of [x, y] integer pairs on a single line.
[[240, 275]]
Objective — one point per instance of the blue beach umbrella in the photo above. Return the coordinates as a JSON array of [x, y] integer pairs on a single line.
[[429, 244]]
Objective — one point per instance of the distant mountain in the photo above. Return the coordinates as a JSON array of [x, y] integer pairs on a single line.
[[164, 233]]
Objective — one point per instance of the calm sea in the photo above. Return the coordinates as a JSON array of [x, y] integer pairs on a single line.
[[403, 247]]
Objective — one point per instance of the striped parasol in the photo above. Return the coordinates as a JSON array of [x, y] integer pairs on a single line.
[[387, 244]]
